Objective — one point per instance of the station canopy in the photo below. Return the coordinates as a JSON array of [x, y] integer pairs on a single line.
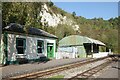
[[76, 40], [96, 41]]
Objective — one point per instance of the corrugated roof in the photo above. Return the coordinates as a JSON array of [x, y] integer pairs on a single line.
[[77, 40], [95, 41], [71, 40], [13, 27]]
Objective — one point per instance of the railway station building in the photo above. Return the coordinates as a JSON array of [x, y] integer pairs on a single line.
[[80, 46], [18, 45]]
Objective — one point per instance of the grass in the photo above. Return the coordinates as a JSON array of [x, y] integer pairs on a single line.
[[58, 77]]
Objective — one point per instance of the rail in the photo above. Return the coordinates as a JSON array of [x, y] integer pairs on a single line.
[[88, 73], [35, 75]]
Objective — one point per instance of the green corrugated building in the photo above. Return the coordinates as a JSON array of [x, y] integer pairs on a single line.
[[81, 46]]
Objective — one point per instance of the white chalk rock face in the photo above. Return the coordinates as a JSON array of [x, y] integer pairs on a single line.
[[49, 18]]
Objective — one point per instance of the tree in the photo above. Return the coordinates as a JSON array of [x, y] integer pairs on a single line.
[[63, 30], [28, 14], [74, 14], [23, 13]]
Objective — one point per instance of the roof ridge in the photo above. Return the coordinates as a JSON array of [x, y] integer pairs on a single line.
[[14, 27]]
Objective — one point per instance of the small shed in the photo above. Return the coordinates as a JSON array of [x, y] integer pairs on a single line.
[[79, 46], [31, 45]]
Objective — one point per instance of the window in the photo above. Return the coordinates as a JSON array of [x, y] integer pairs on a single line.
[[20, 45], [40, 46]]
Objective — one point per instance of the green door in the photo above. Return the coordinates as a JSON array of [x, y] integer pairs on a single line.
[[50, 50]]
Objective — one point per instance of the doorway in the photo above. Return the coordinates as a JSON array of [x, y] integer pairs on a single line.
[[50, 50]]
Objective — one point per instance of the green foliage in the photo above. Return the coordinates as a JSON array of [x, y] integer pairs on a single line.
[[103, 30], [74, 14], [63, 30], [28, 14], [50, 4], [22, 13], [57, 10]]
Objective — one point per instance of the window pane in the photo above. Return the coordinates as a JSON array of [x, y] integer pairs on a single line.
[[40, 46], [20, 42], [20, 45]]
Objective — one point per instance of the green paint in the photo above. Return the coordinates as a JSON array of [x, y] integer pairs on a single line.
[[81, 51], [5, 54], [79, 42], [73, 40], [50, 50]]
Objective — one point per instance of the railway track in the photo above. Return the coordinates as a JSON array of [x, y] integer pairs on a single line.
[[89, 73], [39, 74]]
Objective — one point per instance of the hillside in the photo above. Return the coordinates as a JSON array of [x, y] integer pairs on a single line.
[[50, 18]]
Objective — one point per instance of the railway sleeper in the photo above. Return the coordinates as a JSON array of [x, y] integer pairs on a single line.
[[91, 71], [64, 68]]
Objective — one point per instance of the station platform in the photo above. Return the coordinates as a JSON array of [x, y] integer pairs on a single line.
[[14, 70]]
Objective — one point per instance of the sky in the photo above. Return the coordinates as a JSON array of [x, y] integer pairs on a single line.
[[89, 10]]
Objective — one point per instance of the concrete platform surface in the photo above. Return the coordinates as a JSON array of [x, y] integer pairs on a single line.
[[113, 71], [12, 70]]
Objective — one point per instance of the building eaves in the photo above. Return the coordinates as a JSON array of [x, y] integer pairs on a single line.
[[13, 27]]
